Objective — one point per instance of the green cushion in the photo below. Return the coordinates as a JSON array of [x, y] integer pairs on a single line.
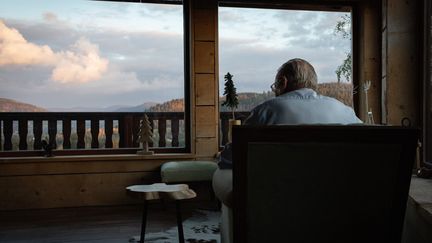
[[184, 171]]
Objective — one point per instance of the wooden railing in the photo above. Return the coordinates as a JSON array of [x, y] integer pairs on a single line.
[[94, 130], [87, 125]]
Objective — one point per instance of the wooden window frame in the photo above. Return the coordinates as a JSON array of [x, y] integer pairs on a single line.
[[187, 99], [331, 6]]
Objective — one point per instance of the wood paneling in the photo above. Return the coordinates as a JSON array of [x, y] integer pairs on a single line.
[[402, 77], [206, 123], [204, 89], [204, 57], [206, 147], [25, 192], [204, 25]]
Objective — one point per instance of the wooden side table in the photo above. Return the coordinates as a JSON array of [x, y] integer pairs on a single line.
[[177, 192]]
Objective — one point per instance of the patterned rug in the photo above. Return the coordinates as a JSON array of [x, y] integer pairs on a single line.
[[202, 227]]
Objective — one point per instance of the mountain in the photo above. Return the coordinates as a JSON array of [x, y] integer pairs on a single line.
[[8, 105], [175, 105], [139, 108]]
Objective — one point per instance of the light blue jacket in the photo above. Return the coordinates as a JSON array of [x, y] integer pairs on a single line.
[[303, 106]]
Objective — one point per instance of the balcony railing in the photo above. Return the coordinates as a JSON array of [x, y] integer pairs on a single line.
[[108, 131]]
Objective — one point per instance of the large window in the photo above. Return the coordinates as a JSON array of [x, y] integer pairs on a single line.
[[82, 74], [255, 42]]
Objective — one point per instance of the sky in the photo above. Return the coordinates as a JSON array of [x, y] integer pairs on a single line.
[[60, 53]]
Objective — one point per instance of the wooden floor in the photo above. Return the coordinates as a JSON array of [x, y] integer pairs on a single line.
[[87, 224]]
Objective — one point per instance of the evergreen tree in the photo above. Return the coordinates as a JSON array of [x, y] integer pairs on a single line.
[[230, 92]]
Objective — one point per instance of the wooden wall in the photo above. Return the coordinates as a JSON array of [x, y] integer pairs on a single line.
[[75, 181], [205, 77], [401, 61]]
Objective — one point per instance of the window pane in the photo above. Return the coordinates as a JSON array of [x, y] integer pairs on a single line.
[[92, 56], [254, 43]]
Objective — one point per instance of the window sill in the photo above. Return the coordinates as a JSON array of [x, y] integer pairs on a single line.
[[95, 158]]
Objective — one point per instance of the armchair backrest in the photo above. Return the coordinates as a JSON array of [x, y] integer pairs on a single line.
[[321, 183]]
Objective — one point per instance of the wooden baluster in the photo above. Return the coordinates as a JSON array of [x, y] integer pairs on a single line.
[[152, 129], [225, 127], [175, 132], [125, 130], [37, 131], [135, 129], [22, 131], [162, 132], [52, 132], [108, 133], [81, 133], [7, 130], [67, 128], [95, 133]]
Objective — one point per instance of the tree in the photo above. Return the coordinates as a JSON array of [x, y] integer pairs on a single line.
[[343, 28], [145, 135], [230, 92]]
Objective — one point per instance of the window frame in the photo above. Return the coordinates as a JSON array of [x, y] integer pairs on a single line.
[[187, 100], [344, 6]]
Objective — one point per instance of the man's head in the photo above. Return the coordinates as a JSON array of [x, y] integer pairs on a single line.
[[294, 74]]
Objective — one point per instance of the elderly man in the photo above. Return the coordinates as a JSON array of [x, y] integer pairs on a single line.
[[296, 101]]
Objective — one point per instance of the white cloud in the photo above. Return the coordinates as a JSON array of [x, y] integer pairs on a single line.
[[80, 64]]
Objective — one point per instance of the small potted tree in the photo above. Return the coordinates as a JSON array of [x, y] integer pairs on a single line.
[[145, 136], [231, 101]]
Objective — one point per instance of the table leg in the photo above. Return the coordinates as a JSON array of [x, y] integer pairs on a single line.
[[179, 222], [143, 223]]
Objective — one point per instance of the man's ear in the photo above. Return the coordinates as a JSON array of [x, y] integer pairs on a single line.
[[284, 85]]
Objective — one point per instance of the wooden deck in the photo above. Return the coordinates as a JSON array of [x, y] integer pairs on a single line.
[[87, 224]]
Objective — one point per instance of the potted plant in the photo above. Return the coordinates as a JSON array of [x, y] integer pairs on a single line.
[[231, 101]]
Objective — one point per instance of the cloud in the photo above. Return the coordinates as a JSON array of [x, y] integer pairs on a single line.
[[79, 65]]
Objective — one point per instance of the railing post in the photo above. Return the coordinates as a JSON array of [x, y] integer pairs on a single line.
[[8, 130], [162, 132], [95, 133], [52, 132], [66, 133], [125, 130], [81, 133], [37, 131], [22, 131], [175, 124], [135, 129], [108, 132]]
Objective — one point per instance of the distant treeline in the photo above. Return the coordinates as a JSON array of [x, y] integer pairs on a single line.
[[247, 101]]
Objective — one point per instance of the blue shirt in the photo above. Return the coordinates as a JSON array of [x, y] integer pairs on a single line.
[[302, 106]]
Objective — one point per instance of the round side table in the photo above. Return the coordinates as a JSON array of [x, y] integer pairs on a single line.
[[177, 192]]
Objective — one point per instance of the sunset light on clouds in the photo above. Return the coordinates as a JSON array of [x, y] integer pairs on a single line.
[[97, 54], [80, 64]]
